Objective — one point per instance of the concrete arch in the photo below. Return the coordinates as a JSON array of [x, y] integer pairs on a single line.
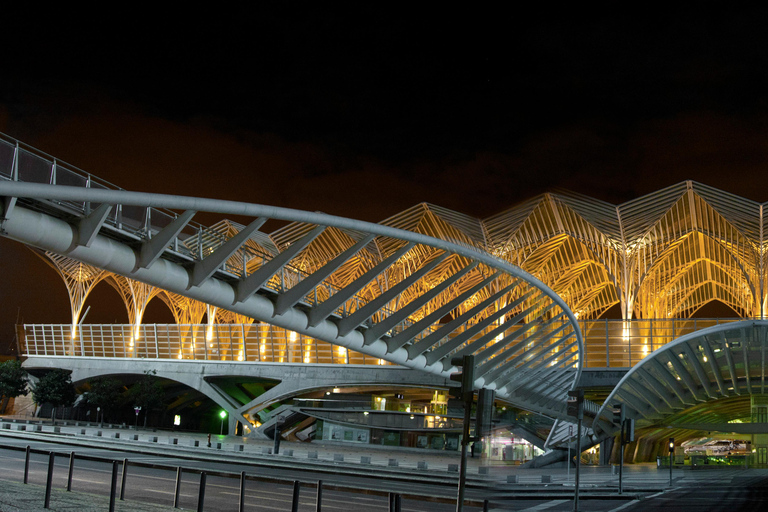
[[84, 369], [293, 379]]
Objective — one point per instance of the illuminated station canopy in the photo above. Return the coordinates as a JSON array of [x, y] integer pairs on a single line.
[[428, 283]]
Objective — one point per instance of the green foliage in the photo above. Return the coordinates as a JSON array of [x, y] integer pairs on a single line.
[[55, 388], [107, 393], [147, 393], [13, 379]]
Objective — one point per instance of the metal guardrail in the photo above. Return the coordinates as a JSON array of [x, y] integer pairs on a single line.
[[624, 343], [262, 343], [608, 343]]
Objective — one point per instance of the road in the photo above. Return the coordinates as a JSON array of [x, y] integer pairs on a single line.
[[151, 478], [147, 481], [733, 492]]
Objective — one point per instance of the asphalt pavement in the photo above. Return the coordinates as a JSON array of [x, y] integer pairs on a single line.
[[509, 484], [17, 497]]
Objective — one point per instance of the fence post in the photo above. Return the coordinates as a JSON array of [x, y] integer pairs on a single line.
[[113, 487], [319, 499], [71, 469], [201, 493], [241, 507], [295, 502], [49, 480], [122, 480], [178, 488], [26, 465]]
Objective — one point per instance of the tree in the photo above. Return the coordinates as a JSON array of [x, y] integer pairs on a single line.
[[147, 393], [13, 382], [106, 393], [55, 388]]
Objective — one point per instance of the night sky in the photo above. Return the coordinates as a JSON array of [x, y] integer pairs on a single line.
[[364, 113]]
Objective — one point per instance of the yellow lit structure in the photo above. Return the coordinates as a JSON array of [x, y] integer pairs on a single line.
[[416, 290], [428, 284]]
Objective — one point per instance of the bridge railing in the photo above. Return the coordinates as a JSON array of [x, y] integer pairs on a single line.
[[202, 342], [608, 343], [624, 343]]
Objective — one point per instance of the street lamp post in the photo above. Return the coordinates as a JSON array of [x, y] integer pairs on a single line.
[[137, 410], [222, 414], [671, 453]]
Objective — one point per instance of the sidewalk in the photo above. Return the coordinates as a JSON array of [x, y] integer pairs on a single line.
[[17, 497]]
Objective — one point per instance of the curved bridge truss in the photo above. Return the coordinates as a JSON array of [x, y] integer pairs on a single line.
[[400, 296], [677, 383]]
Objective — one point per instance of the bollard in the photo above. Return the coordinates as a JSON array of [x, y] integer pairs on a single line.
[[546, 479], [365, 459], [338, 457], [288, 453], [511, 479], [82, 431], [311, 455], [49, 480], [422, 464], [113, 487], [71, 470], [453, 468], [485, 505], [295, 503], [178, 488], [194, 443], [238, 447], [391, 506], [26, 466], [319, 499], [393, 462], [265, 450], [241, 507], [397, 503], [201, 494], [483, 470], [122, 480]]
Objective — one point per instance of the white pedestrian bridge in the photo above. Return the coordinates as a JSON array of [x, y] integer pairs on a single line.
[[388, 294]]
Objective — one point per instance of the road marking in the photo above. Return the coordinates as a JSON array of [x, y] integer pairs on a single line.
[[546, 505], [170, 492], [622, 507], [307, 500]]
